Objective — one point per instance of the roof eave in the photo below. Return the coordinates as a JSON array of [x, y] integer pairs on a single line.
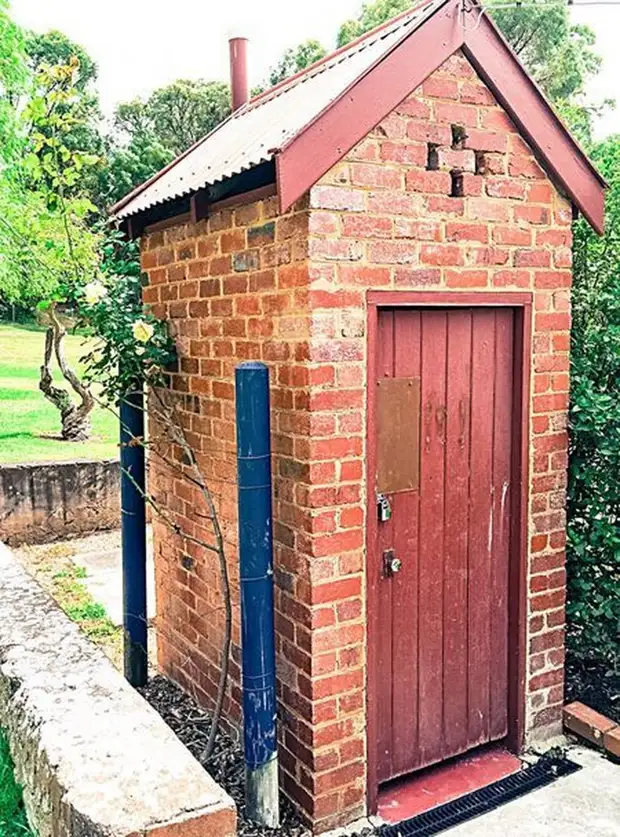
[[123, 202]]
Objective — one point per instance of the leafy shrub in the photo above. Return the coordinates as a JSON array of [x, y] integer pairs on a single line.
[[594, 476], [13, 822]]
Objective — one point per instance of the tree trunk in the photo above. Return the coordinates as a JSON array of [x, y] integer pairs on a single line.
[[75, 419]]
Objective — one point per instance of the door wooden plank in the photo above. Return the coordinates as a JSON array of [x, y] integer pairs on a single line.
[[407, 360], [502, 457], [431, 540], [481, 524], [441, 630], [456, 532], [385, 674]]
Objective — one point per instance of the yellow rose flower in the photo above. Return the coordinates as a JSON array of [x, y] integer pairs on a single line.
[[94, 292], [142, 331]]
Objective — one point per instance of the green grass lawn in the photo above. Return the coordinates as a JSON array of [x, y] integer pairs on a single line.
[[13, 821], [28, 422]]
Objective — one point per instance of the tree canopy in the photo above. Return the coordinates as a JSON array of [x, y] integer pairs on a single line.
[[50, 48], [39, 240], [148, 133], [372, 14], [177, 115], [54, 49], [13, 79], [296, 59], [559, 55]]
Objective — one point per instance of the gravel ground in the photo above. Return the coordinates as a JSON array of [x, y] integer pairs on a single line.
[[191, 724], [595, 684]]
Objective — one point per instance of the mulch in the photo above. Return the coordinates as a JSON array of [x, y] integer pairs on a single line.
[[594, 683], [590, 682], [191, 724]]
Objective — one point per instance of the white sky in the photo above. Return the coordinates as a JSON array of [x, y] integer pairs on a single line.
[[142, 44]]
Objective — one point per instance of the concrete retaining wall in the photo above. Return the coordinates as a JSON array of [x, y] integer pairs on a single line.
[[44, 501], [94, 758]]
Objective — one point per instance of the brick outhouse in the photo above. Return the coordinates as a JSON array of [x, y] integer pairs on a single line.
[[390, 231]]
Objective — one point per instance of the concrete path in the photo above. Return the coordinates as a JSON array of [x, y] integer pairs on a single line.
[[100, 555], [586, 804]]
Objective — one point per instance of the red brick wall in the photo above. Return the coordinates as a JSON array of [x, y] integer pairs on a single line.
[[379, 220], [382, 220], [233, 288]]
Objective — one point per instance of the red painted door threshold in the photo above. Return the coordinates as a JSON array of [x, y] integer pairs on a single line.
[[405, 798]]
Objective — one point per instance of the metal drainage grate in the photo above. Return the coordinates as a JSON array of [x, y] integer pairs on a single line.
[[544, 772]]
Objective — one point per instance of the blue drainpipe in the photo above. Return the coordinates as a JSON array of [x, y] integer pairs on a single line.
[[133, 529], [256, 578]]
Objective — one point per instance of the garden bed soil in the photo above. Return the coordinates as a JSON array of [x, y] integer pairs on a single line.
[[192, 724], [594, 683]]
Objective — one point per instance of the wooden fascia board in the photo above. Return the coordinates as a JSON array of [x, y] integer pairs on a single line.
[[536, 120], [338, 128]]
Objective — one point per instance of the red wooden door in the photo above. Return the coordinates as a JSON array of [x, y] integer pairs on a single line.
[[441, 622]]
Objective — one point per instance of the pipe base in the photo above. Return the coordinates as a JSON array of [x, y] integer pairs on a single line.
[[262, 800]]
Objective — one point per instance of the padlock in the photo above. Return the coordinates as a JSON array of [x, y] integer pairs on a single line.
[[384, 508]]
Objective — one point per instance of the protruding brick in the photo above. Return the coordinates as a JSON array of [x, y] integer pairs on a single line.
[[486, 141], [587, 723], [611, 742], [450, 159]]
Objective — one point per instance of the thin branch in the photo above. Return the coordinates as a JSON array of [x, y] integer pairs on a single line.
[[79, 388], [150, 446], [226, 590], [173, 424], [148, 498]]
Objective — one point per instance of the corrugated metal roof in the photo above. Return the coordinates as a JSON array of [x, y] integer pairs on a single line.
[[254, 134]]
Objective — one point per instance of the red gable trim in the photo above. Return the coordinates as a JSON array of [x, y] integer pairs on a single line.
[[359, 108], [335, 131], [559, 153]]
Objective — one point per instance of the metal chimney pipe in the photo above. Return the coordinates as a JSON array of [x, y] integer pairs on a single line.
[[239, 83]]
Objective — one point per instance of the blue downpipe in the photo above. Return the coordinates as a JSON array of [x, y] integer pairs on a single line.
[[256, 563], [133, 528]]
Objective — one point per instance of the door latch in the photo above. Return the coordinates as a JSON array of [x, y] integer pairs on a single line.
[[384, 508], [391, 564]]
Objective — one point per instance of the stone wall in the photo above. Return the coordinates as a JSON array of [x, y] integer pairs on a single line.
[[45, 501], [95, 760]]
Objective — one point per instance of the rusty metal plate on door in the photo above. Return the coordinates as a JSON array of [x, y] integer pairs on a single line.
[[398, 429]]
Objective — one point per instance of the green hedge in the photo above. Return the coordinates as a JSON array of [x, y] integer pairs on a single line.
[[594, 475]]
